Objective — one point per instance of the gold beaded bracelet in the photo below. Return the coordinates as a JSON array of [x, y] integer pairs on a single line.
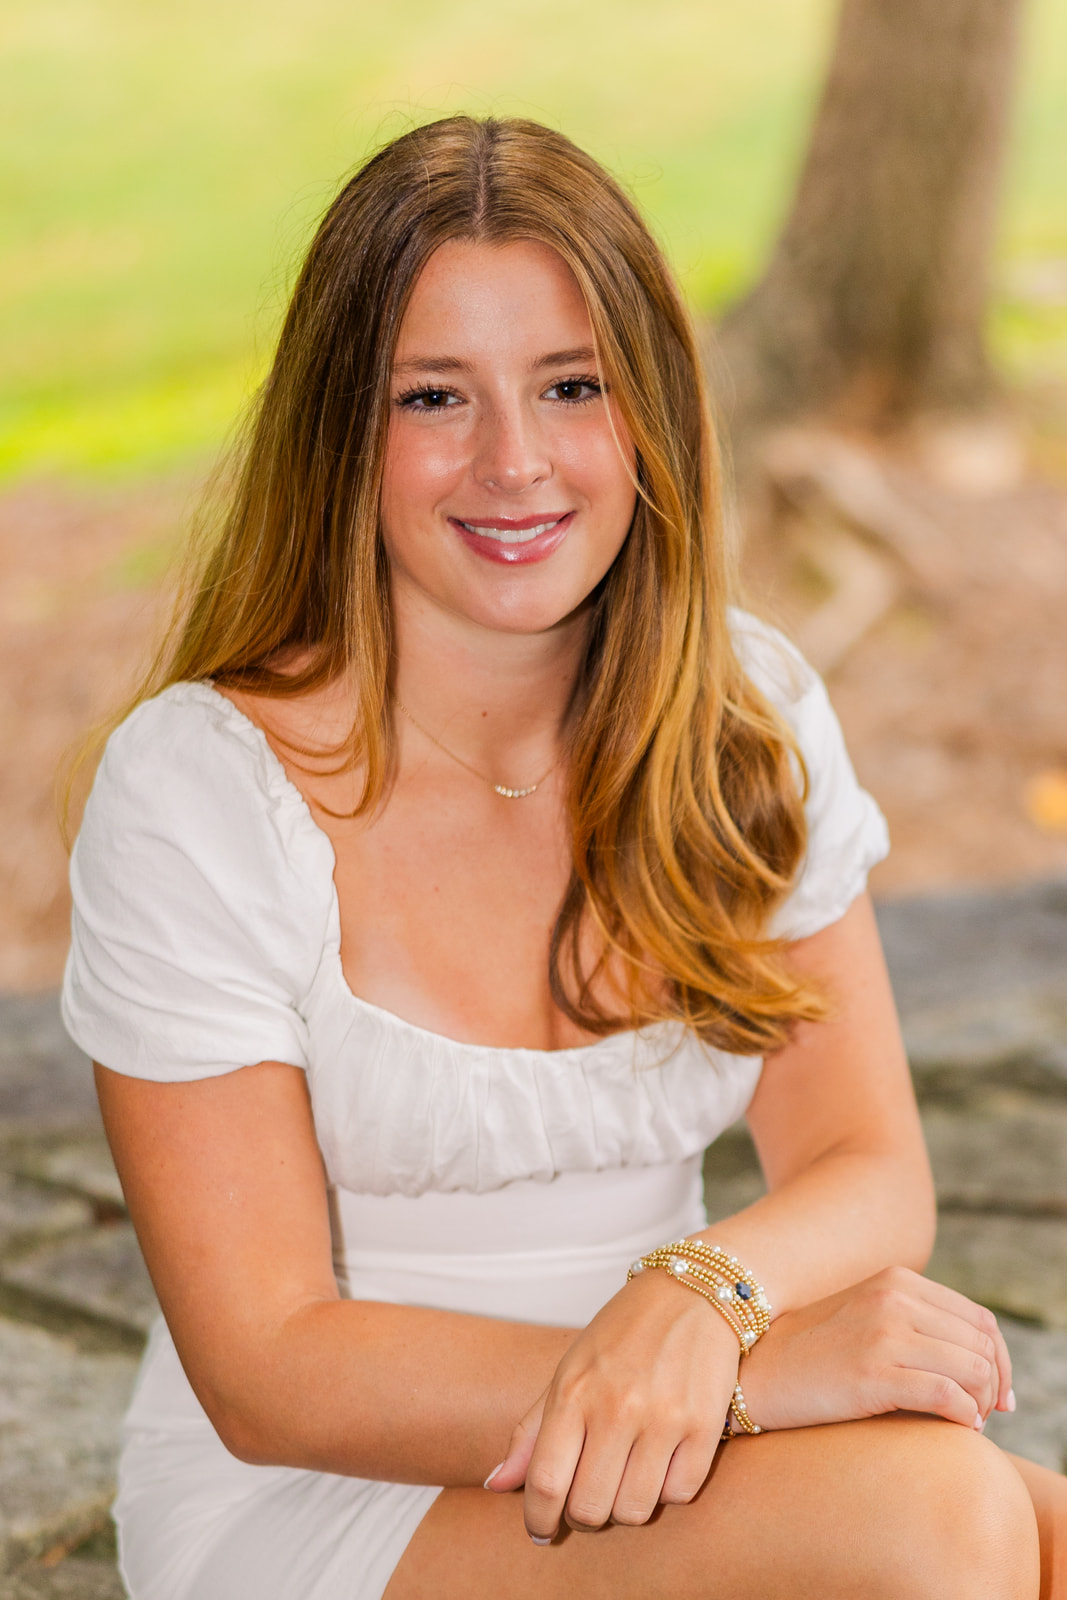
[[740, 1412], [720, 1279]]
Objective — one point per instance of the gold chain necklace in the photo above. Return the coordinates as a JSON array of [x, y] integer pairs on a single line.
[[498, 788]]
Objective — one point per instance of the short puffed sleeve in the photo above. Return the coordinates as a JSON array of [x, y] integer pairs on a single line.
[[202, 898], [847, 834]]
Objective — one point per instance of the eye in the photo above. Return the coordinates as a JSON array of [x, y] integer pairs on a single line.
[[574, 391], [430, 397]]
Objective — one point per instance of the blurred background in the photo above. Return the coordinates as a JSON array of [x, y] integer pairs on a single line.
[[886, 323]]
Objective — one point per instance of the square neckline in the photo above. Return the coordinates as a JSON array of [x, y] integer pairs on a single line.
[[287, 790]]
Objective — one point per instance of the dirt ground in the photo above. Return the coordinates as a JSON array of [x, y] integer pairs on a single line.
[[954, 702]]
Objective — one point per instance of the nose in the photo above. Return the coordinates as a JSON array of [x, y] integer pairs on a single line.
[[512, 452]]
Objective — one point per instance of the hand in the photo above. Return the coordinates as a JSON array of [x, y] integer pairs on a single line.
[[897, 1342], [632, 1417]]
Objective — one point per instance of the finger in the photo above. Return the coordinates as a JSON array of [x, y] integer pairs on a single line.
[[973, 1372], [1005, 1400], [597, 1478], [550, 1473], [511, 1473], [642, 1479], [932, 1392], [935, 1323], [689, 1468], [939, 1294]]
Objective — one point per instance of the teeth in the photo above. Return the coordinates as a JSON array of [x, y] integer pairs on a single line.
[[512, 535]]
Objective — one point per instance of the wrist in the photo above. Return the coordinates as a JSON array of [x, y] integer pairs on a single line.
[[717, 1277], [676, 1304]]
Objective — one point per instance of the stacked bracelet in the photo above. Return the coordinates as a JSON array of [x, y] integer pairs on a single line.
[[722, 1281], [740, 1412]]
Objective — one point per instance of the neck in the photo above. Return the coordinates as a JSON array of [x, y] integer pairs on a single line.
[[498, 699]]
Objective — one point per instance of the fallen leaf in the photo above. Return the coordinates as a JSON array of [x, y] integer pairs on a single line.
[[1045, 800]]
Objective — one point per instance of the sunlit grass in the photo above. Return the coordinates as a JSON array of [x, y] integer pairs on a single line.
[[163, 166]]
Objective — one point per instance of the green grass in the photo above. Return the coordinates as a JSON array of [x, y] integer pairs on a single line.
[[163, 165]]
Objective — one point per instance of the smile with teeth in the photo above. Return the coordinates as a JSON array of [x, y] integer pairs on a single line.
[[512, 535]]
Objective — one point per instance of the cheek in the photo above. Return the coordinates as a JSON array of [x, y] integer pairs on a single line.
[[603, 473], [419, 466]]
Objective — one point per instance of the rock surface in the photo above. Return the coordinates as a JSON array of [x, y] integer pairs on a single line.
[[1008, 1154], [60, 1410], [72, 1579], [1016, 1265], [77, 1160], [1038, 1427], [30, 1212], [100, 1276]]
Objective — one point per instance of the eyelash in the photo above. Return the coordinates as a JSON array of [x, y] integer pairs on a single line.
[[406, 399]]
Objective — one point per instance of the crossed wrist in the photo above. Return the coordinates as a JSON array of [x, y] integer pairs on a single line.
[[719, 1278], [722, 1280]]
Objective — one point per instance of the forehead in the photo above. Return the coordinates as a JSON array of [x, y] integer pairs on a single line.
[[479, 299]]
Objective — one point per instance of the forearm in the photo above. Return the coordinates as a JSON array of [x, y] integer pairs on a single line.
[[838, 1222], [405, 1394]]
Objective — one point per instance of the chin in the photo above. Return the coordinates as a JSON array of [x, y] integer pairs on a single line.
[[526, 614]]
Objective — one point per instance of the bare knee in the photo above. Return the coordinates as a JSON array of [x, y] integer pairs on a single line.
[[972, 1525]]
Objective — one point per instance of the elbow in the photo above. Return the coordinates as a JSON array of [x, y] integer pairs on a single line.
[[247, 1441], [250, 1431]]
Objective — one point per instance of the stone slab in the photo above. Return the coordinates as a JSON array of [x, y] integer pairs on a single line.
[[77, 1159], [60, 1410], [100, 1275], [980, 979], [1008, 1155], [29, 1212], [1013, 1040], [732, 1176], [944, 949], [73, 1579], [1015, 1265], [45, 1080], [1038, 1427]]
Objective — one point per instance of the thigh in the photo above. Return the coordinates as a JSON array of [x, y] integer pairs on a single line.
[[892, 1507], [1048, 1491]]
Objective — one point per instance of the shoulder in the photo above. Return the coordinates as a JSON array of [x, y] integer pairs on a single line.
[[189, 736], [847, 833], [768, 659], [188, 775], [202, 897]]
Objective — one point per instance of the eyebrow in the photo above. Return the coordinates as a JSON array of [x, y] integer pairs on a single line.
[[554, 358]]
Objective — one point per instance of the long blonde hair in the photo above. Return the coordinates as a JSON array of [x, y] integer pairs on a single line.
[[685, 816]]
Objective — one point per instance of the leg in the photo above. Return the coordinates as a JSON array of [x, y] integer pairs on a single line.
[[896, 1508], [1048, 1491]]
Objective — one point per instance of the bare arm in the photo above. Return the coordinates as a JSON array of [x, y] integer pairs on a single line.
[[225, 1186], [838, 1134]]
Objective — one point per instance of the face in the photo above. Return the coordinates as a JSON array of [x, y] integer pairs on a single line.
[[508, 488]]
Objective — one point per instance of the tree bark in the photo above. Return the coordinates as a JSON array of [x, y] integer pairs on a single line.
[[873, 305]]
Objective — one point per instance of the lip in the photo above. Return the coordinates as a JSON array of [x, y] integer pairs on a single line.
[[539, 548]]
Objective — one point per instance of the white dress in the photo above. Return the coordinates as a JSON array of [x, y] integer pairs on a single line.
[[206, 937]]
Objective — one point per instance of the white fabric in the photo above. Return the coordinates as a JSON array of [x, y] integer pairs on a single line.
[[206, 936]]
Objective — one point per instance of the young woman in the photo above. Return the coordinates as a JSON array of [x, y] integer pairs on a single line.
[[463, 871]]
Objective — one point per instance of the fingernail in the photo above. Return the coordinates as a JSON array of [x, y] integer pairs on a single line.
[[979, 1423], [492, 1475], [1011, 1399], [535, 1538]]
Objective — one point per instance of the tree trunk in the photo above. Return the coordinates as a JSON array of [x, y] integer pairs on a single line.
[[873, 305]]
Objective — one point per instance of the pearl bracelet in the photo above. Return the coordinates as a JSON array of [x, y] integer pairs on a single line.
[[740, 1412], [720, 1279]]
